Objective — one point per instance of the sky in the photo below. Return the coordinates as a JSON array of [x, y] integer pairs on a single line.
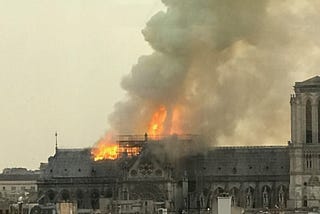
[[61, 63]]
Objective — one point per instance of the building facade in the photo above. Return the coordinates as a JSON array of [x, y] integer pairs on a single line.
[[17, 184], [305, 144], [178, 178]]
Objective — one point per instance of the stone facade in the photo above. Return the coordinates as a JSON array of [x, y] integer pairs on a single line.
[[305, 144], [256, 178], [17, 184]]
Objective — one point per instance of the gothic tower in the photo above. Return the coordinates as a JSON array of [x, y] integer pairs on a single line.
[[304, 190]]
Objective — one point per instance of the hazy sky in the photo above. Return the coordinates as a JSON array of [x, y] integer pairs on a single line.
[[61, 63]]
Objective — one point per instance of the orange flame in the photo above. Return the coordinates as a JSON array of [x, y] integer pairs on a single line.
[[176, 121], [106, 148], [130, 151], [156, 123]]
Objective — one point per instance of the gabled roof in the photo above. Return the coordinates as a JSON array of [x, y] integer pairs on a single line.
[[250, 162], [16, 177], [312, 81], [308, 86], [77, 163]]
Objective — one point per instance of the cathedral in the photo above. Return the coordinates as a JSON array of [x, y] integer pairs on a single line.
[[171, 175]]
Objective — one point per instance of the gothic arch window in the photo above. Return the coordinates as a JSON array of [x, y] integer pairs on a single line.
[[80, 196], [210, 199], [308, 161], [95, 199], [201, 201], [266, 196], [234, 193], [249, 197], [65, 195], [308, 122], [281, 196], [218, 191], [51, 195]]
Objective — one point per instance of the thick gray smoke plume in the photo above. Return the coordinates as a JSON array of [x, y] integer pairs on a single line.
[[228, 65]]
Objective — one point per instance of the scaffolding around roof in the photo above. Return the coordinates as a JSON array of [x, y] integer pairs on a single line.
[[131, 145]]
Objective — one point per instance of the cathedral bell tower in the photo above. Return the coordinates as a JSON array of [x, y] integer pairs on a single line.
[[304, 149]]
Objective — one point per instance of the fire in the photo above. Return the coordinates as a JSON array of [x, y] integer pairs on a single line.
[[109, 149], [156, 123], [176, 121], [106, 148], [130, 151]]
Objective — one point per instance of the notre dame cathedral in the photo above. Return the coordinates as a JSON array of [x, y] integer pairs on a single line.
[[257, 178]]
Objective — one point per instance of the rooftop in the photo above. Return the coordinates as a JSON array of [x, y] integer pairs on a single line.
[[309, 85]]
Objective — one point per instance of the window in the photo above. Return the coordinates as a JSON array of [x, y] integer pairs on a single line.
[[308, 122], [308, 161], [3, 188], [13, 188]]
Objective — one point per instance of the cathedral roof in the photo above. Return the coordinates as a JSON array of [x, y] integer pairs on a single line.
[[68, 163], [15, 177], [309, 85], [265, 162], [312, 81]]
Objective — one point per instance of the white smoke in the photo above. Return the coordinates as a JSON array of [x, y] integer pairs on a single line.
[[229, 64]]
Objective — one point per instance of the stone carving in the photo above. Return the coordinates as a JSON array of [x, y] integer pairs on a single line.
[[146, 168], [233, 197], [249, 198], [314, 181], [265, 197], [281, 197]]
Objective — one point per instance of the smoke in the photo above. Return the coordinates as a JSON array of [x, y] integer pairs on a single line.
[[229, 67]]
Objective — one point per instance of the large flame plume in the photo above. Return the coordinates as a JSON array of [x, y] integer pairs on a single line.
[[106, 148], [222, 69], [157, 121], [176, 120]]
